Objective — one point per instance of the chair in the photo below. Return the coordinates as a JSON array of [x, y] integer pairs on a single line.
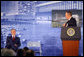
[[34, 45]]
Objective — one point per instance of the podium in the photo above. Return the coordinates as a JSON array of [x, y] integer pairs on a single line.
[[70, 37]]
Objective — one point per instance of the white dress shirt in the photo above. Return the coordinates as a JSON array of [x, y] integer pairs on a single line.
[[13, 36]]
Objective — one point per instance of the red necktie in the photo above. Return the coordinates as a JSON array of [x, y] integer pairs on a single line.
[[13, 38], [65, 24]]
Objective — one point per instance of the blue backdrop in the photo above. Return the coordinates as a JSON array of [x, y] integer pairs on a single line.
[[33, 22]]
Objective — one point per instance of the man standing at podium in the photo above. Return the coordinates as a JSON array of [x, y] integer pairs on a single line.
[[70, 36], [71, 21], [13, 42]]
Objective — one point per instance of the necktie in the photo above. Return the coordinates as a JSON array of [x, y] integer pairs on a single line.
[[66, 25], [13, 38]]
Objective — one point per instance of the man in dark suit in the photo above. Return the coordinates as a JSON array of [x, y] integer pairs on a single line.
[[13, 42], [71, 21]]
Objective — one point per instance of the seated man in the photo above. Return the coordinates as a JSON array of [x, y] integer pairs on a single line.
[[13, 42], [71, 21], [20, 52], [7, 52]]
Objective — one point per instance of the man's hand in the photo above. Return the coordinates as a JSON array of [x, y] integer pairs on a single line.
[[64, 24], [15, 45]]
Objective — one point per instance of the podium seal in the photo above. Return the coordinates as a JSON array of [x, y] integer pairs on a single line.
[[70, 31]]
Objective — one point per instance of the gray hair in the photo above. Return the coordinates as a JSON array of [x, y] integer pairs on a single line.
[[13, 29], [7, 52]]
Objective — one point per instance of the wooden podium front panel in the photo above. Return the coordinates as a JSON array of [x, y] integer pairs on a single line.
[[70, 47]]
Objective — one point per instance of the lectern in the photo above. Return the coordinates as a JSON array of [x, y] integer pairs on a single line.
[[70, 37]]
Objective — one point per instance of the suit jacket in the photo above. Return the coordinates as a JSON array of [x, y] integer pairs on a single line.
[[10, 43], [71, 22]]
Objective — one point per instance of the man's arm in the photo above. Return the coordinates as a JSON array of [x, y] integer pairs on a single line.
[[73, 23], [18, 44], [7, 42], [64, 25]]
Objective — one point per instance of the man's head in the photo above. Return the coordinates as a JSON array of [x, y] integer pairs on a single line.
[[20, 52], [7, 52], [26, 48], [68, 14], [13, 31], [30, 53]]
